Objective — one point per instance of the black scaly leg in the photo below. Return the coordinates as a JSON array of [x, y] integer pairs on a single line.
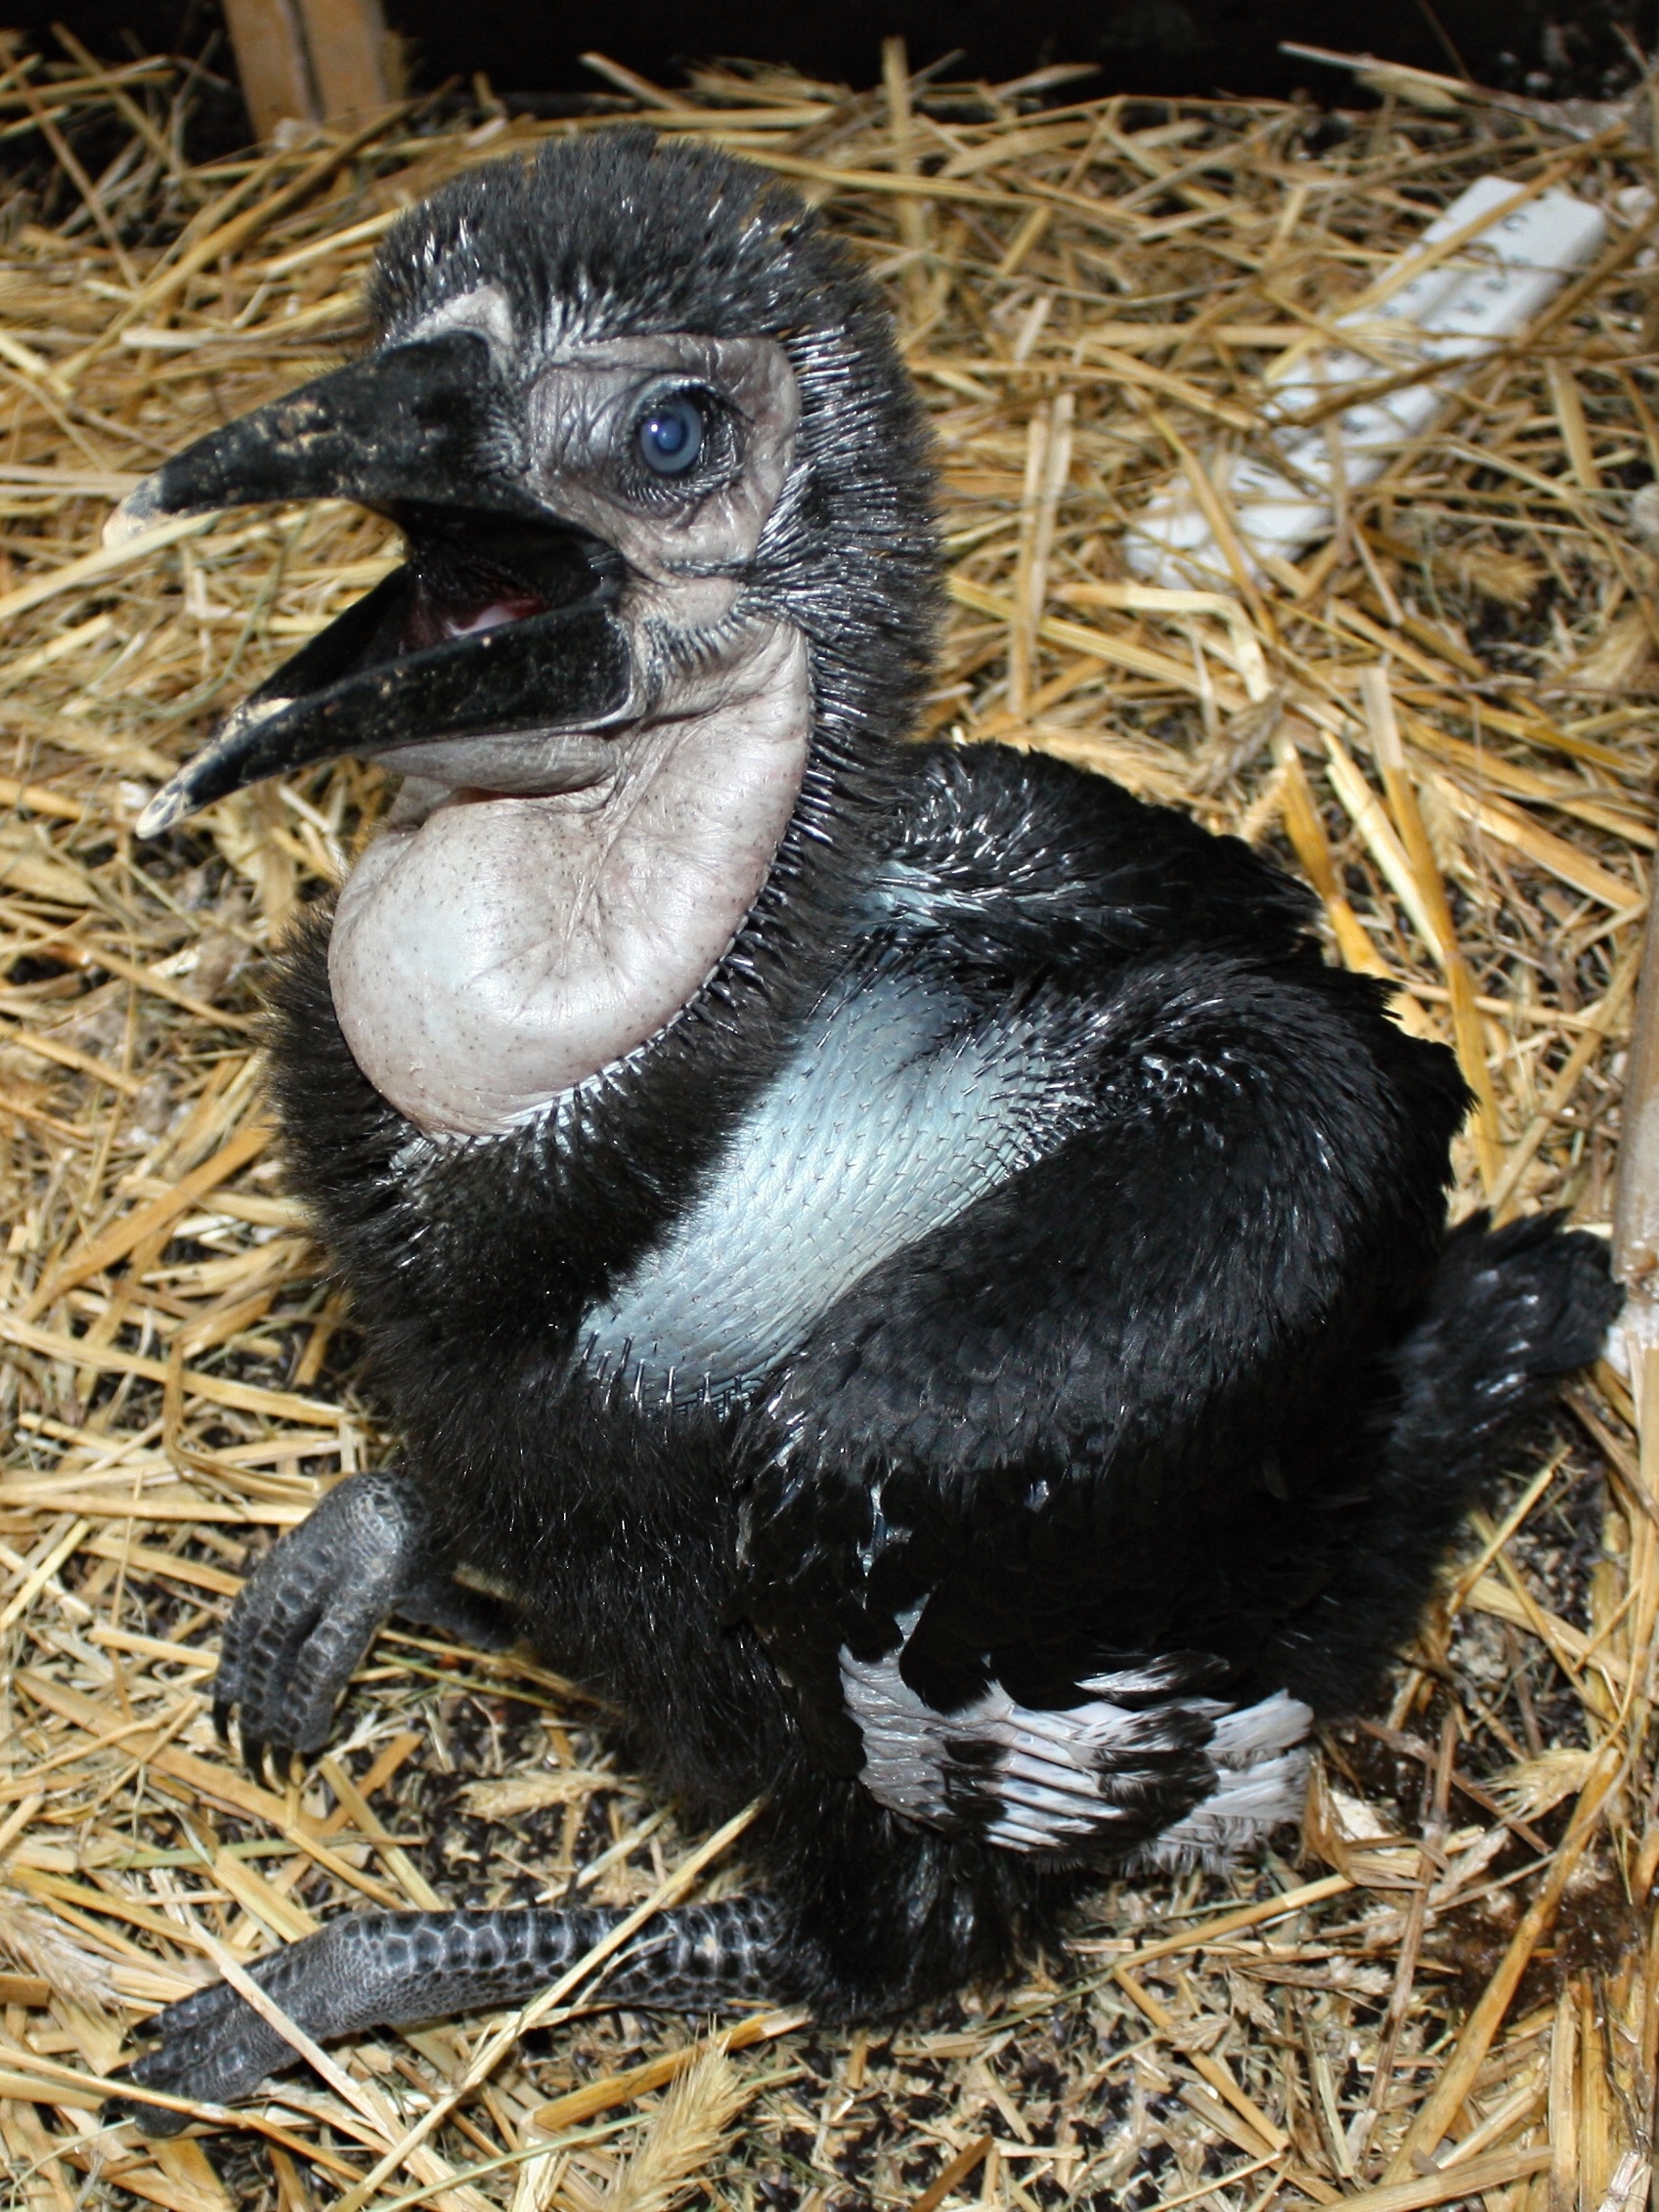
[[389, 1969]]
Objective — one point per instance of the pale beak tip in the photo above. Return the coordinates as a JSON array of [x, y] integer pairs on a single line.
[[162, 811], [132, 518]]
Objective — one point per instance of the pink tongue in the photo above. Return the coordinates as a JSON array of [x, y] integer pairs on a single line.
[[491, 617]]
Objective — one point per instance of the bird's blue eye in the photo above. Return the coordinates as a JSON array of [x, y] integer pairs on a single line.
[[670, 436]]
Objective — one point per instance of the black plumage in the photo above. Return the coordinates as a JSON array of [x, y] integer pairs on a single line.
[[991, 1366]]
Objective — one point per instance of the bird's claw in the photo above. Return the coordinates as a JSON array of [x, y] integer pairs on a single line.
[[213, 2048], [308, 1613]]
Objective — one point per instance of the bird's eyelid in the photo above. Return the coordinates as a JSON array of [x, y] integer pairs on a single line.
[[725, 402], [685, 385]]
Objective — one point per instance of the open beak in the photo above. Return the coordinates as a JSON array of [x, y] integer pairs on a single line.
[[503, 617]]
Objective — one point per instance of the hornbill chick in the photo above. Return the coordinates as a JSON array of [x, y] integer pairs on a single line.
[[901, 1264]]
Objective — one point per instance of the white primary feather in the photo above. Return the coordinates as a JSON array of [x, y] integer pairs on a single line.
[[1046, 1780]]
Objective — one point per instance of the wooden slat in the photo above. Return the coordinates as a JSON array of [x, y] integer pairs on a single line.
[[271, 62], [346, 40]]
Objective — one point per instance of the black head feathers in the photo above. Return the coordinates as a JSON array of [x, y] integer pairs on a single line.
[[623, 234]]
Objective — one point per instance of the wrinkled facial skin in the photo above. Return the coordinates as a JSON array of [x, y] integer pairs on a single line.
[[542, 903], [605, 729], [582, 413], [686, 538]]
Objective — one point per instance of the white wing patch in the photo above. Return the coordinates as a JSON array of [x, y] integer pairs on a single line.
[[1032, 1781], [893, 1116], [1260, 1754]]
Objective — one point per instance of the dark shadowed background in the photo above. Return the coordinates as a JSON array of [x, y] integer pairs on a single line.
[[1551, 48]]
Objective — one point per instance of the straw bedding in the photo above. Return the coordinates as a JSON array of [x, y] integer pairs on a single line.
[[1449, 1994]]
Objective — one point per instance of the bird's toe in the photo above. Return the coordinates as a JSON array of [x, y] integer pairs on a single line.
[[211, 2047]]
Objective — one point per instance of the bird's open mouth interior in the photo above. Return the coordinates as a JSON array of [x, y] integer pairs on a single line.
[[467, 573]]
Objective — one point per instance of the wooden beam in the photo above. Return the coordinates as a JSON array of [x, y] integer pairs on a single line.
[[347, 44], [271, 62], [309, 60]]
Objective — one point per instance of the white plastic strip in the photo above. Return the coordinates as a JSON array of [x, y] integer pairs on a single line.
[[1453, 315]]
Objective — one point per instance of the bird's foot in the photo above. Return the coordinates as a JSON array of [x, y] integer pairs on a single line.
[[379, 1969], [214, 2048], [311, 1608]]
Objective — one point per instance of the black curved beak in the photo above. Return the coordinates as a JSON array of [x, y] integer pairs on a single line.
[[502, 618]]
